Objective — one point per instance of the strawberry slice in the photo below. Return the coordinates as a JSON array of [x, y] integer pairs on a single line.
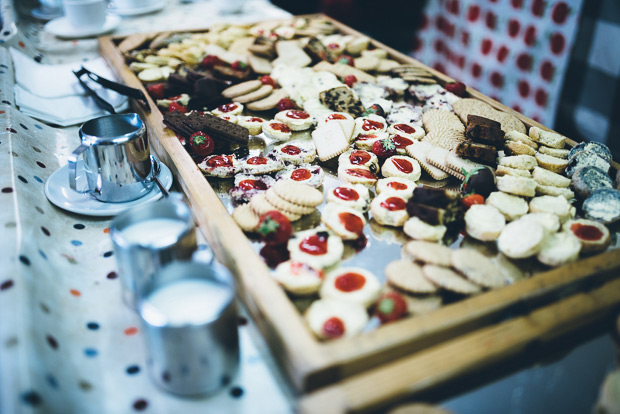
[[350, 80], [384, 148], [274, 228], [175, 106], [157, 90], [457, 88], [268, 80], [390, 307], [286, 103], [470, 200]]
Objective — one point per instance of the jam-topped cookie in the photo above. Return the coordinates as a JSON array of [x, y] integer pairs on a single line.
[[397, 186], [295, 152], [296, 120], [359, 158], [299, 278], [261, 165], [311, 175], [352, 284], [350, 195], [333, 319], [277, 131], [401, 166], [372, 124], [228, 109], [246, 186], [344, 221], [222, 166], [254, 124], [389, 210], [407, 130], [318, 248]]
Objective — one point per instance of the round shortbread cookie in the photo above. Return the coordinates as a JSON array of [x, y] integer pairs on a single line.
[[357, 175], [260, 93], [448, 279], [344, 221], [298, 193], [246, 218], [401, 166], [295, 152], [366, 141], [407, 130], [398, 186], [484, 222], [441, 118], [298, 278], [349, 195], [421, 230], [260, 205], [407, 276], [319, 249], [557, 205], [371, 124], [521, 186], [332, 318], [429, 253], [228, 109], [389, 210], [559, 248], [550, 222], [295, 119], [358, 158], [352, 284], [477, 267], [277, 131], [521, 239], [253, 124], [512, 207], [281, 204], [242, 88]]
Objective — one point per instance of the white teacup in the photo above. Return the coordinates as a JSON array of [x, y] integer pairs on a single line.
[[85, 13], [133, 4]]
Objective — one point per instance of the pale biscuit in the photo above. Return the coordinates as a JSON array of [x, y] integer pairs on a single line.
[[518, 148], [342, 71], [421, 230], [520, 137], [461, 165], [351, 284], [291, 53], [298, 193], [549, 204], [554, 152], [521, 162], [550, 222], [551, 163], [470, 106], [555, 191], [269, 102], [521, 239], [389, 210], [438, 157], [330, 140], [317, 259], [546, 138], [441, 118], [260, 205], [401, 166], [346, 222], [353, 317], [449, 280], [509, 122], [546, 177], [259, 64], [298, 278], [477, 267], [521, 186], [512, 207], [398, 186], [559, 249], [429, 253], [242, 88], [503, 170], [281, 204], [386, 65], [484, 222], [407, 276], [246, 218], [366, 63], [419, 151], [256, 95]]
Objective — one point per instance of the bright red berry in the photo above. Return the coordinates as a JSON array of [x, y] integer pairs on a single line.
[[286, 103], [390, 307], [274, 254], [268, 80], [274, 228], [239, 65], [384, 148], [201, 144], [350, 80], [212, 60], [345, 60], [457, 88], [175, 106], [470, 200], [157, 90]]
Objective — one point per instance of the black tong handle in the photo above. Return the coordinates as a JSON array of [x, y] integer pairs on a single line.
[[108, 84]]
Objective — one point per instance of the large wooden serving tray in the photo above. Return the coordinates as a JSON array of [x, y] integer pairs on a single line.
[[311, 364]]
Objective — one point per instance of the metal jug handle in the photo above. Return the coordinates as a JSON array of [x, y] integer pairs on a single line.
[[73, 159]]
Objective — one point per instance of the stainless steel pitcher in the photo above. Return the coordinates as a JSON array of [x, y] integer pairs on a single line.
[[117, 158]]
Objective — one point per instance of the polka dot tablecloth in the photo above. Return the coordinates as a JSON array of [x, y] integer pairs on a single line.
[[515, 51], [68, 344]]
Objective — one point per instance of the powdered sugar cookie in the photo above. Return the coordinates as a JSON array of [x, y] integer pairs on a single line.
[[389, 210], [316, 247], [401, 166], [222, 166], [311, 175], [352, 284], [332, 318], [350, 195], [397, 186], [344, 221], [298, 278], [295, 119]]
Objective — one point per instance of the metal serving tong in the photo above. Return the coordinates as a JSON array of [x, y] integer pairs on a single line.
[[108, 84]]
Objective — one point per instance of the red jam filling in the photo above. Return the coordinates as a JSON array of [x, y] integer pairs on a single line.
[[403, 165], [248, 185], [220, 161], [370, 125], [586, 232], [257, 161], [351, 222], [365, 137], [333, 46], [347, 194], [298, 114], [394, 203], [227, 107], [280, 127], [301, 174], [333, 328], [291, 150], [397, 186], [359, 157], [315, 245], [255, 120], [360, 172], [350, 282], [335, 116], [407, 129], [401, 142]]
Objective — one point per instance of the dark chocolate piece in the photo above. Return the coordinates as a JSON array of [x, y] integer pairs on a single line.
[[434, 215], [435, 197], [484, 134], [477, 152], [480, 120]]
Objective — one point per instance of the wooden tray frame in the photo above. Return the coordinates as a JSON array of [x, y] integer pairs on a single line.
[[309, 363]]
